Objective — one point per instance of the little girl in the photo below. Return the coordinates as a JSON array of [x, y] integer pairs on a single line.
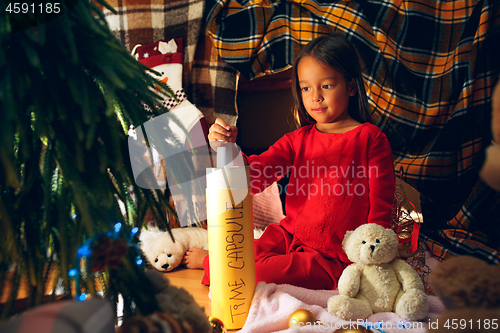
[[340, 165]]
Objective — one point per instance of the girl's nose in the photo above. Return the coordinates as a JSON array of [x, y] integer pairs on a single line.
[[317, 97]]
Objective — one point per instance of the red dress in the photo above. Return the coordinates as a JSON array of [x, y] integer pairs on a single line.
[[337, 182]]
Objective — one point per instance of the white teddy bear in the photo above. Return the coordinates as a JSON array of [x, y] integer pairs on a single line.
[[163, 253], [376, 281]]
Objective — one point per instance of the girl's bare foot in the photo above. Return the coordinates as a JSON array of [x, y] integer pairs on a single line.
[[194, 258]]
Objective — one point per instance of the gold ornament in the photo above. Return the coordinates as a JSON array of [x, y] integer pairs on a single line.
[[217, 325], [405, 226], [301, 317], [403, 223]]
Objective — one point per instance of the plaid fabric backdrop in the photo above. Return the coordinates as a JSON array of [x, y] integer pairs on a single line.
[[209, 82], [429, 66]]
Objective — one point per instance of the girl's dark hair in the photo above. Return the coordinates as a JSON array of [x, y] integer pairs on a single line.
[[336, 51]]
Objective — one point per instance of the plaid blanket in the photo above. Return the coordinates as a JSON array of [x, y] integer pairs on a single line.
[[209, 82], [429, 66]]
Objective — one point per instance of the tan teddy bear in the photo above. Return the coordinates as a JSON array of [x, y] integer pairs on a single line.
[[470, 290], [469, 287], [179, 311], [490, 171], [376, 281]]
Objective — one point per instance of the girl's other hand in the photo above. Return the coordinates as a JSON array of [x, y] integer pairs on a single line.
[[221, 132]]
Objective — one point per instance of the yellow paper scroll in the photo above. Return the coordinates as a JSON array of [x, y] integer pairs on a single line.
[[231, 253]]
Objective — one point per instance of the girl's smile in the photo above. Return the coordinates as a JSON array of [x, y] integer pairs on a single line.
[[319, 110]]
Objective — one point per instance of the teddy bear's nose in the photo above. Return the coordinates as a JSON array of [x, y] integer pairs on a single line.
[[372, 247], [164, 266]]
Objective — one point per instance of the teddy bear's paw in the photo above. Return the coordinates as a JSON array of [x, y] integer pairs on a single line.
[[348, 308], [159, 281], [490, 171], [412, 305], [181, 305]]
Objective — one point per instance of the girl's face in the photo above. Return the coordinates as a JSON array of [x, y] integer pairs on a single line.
[[325, 94]]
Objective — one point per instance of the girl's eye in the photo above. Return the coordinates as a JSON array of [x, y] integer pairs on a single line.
[[327, 86], [305, 88]]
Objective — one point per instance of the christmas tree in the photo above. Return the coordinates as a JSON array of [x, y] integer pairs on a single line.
[[68, 93]]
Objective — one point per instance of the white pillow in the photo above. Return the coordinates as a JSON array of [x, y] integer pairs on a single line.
[[267, 207]]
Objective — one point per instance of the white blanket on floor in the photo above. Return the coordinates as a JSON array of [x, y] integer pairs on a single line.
[[273, 304]]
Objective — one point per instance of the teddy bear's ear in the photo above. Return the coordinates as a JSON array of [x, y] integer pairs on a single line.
[[392, 243], [348, 233]]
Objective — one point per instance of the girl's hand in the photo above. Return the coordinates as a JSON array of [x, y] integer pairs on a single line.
[[220, 133]]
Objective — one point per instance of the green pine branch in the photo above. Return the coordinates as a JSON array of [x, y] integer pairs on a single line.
[[68, 93]]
